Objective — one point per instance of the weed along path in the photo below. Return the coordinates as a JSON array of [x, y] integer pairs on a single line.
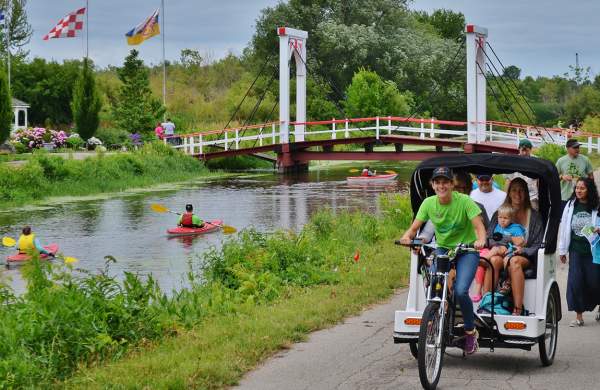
[[360, 354]]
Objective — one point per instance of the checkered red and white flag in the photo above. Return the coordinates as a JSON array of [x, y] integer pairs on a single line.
[[68, 26]]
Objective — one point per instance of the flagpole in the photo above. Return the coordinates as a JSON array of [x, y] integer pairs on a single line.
[[7, 23], [87, 30], [162, 3]]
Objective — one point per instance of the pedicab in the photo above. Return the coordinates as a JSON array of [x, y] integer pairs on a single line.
[[431, 321]]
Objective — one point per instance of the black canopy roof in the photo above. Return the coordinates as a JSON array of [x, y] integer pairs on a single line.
[[490, 163]]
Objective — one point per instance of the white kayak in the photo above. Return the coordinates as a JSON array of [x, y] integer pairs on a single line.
[[372, 179]]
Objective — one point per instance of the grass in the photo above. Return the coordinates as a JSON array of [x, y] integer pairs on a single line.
[[46, 176], [256, 294]]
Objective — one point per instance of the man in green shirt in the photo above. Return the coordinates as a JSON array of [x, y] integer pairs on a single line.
[[571, 167], [456, 219], [189, 219]]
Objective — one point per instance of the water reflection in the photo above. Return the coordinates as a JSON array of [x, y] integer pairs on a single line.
[[129, 230]]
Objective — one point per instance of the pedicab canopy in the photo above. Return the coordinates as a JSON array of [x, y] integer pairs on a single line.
[[490, 163]]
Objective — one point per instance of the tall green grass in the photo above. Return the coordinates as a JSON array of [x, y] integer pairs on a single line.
[[44, 175], [66, 321]]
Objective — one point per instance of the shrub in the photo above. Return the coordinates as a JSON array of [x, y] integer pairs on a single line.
[[6, 112], [550, 152], [86, 102]]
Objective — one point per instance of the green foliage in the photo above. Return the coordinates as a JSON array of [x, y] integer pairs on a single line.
[[512, 72], [582, 104], [550, 152], [591, 124], [6, 112], [368, 95], [48, 88], [18, 29], [447, 23], [111, 136], [135, 109], [86, 103], [45, 175]]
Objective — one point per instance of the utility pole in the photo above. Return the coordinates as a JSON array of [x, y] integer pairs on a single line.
[[162, 3]]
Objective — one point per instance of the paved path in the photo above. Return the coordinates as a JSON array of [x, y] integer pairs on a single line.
[[360, 354]]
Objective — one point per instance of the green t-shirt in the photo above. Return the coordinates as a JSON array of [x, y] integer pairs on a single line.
[[576, 167], [452, 221], [581, 219]]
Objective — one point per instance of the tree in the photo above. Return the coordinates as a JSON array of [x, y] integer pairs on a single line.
[[512, 72], [136, 110], [86, 102], [447, 23], [6, 112], [368, 95], [18, 27], [582, 104]]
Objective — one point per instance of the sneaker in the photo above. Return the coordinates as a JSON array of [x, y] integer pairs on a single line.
[[471, 344], [477, 298], [576, 323]]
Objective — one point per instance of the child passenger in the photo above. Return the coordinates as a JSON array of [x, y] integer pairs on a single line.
[[512, 234]]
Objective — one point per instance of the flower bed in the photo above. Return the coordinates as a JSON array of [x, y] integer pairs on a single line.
[[35, 138]]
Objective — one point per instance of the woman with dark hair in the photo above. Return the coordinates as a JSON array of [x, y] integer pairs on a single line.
[[579, 221], [525, 256]]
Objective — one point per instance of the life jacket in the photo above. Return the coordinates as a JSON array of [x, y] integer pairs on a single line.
[[26, 243], [186, 220], [365, 172]]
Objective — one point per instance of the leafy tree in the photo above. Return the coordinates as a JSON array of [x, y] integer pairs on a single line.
[[18, 27], [512, 72], [368, 95], [6, 112], [86, 103], [447, 23], [191, 58], [136, 110], [582, 104], [591, 124], [47, 87]]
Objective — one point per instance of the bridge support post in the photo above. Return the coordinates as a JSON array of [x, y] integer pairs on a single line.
[[292, 42], [286, 163], [476, 84]]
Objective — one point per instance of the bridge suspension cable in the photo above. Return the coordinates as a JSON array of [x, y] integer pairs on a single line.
[[496, 97], [529, 118]]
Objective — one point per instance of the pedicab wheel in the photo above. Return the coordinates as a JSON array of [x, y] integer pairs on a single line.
[[431, 346], [547, 341], [414, 350]]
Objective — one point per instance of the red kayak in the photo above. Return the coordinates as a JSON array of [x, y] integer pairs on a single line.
[[19, 257], [209, 226]]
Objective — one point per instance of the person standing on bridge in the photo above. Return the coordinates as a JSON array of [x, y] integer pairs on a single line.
[[159, 131], [490, 197], [570, 168], [169, 128]]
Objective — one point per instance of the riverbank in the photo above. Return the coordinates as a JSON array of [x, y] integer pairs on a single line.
[[45, 176], [257, 294]]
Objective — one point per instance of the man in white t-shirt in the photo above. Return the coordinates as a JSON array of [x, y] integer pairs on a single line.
[[490, 197]]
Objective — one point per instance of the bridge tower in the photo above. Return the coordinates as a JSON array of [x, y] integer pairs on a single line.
[[476, 84], [292, 43]]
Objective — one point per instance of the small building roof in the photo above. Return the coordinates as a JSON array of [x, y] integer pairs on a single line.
[[19, 103]]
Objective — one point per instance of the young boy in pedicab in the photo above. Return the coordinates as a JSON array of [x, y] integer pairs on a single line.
[[189, 219], [456, 220]]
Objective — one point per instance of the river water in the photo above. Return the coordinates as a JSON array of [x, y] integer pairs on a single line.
[[126, 228]]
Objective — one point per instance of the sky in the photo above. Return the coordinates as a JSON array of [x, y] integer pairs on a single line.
[[539, 36]]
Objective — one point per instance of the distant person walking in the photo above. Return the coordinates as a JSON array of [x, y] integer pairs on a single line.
[[578, 228], [570, 168], [169, 128], [159, 131]]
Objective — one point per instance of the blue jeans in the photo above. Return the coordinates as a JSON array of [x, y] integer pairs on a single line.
[[466, 267]]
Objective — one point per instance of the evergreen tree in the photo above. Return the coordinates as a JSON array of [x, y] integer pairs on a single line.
[[86, 102], [18, 27], [6, 112], [136, 110]]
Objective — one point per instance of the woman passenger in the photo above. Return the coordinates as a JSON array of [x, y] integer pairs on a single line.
[[524, 256], [579, 220]]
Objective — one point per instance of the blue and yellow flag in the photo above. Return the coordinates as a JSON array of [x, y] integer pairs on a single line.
[[145, 30]]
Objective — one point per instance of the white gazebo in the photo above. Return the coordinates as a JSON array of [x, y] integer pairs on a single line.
[[20, 109]]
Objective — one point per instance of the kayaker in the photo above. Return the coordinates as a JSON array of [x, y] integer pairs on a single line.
[[189, 219], [28, 242], [367, 172]]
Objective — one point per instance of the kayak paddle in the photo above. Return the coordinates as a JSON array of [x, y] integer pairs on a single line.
[[10, 242], [354, 170], [159, 208], [390, 172]]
